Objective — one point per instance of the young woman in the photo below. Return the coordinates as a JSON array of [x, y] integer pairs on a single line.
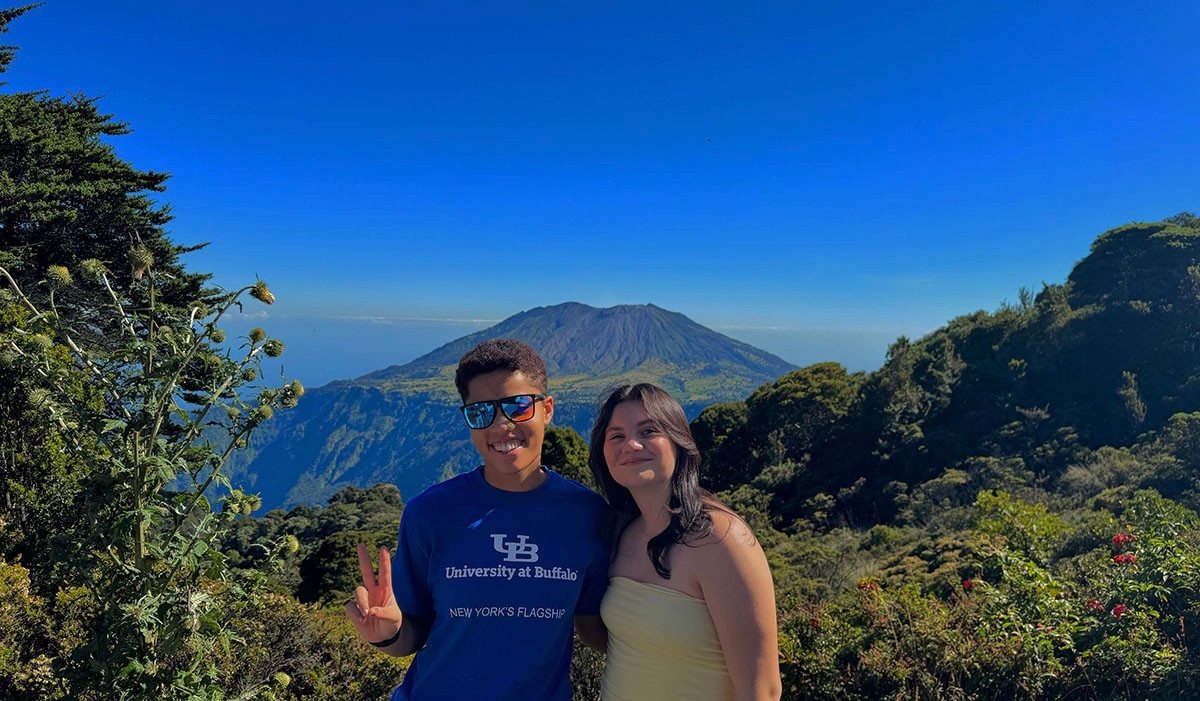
[[690, 606]]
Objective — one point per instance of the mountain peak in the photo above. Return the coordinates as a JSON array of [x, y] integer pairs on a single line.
[[578, 339], [401, 424]]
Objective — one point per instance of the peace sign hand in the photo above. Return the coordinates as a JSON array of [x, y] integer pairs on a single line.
[[374, 611]]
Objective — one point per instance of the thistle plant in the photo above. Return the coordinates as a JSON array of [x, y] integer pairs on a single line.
[[147, 397]]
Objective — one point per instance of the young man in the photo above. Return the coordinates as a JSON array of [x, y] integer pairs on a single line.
[[493, 567]]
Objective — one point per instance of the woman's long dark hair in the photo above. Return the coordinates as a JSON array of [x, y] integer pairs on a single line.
[[689, 504]]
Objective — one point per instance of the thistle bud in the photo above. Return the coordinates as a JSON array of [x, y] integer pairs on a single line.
[[59, 276], [273, 348], [216, 335], [209, 362], [261, 293], [249, 374], [142, 260], [291, 544], [257, 335], [261, 413], [93, 268]]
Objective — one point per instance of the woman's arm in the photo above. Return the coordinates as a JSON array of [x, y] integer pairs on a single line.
[[737, 586]]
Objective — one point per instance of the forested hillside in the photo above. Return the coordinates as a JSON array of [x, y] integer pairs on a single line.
[[1007, 508], [1100, 360]]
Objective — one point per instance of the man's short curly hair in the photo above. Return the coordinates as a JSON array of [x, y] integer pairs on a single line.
[[500, 354]]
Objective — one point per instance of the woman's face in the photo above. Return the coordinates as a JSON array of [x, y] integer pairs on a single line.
[[638, 453]]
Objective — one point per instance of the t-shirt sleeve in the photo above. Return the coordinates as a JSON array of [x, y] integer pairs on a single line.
[[410, 566]]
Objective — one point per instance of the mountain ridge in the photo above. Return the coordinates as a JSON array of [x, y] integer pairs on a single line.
[[401, 425]]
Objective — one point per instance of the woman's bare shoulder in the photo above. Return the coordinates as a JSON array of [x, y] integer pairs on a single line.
[[729, 532]]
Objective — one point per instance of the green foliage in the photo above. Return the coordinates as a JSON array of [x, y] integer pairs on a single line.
[[7, 53], [65, 197], [293, 652], [136, 409], [116, 389], [25, 634], [69, 208], [721, 436], [566, 452], [372, 514], [1108, 627], [803, 404], [1028, 528], [774, 432], [587, 668], [329, 574]]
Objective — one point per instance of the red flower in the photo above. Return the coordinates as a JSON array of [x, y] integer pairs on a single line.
[[967, 584], [1121, 539], [1093, 605], [1119, 610], [1125, 558], [815, 623]]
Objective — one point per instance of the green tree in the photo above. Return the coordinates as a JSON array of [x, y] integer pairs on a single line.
[[65, 196], [330, 573], [802, 406], [565, 452], [725, 450]]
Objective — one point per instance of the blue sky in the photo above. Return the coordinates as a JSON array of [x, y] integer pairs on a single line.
[[813, 178]]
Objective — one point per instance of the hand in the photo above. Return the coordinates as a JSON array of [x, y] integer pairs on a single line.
[[374, 611]]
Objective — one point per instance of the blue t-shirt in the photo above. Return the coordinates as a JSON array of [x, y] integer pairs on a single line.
[[500, 576]]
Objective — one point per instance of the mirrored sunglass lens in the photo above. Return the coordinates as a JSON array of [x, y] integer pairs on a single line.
[[519, 408], [479, 415]]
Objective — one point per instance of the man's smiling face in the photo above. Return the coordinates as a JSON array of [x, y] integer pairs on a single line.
[[511, 450]]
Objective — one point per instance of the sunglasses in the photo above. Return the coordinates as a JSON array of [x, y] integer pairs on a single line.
[[519, 407]]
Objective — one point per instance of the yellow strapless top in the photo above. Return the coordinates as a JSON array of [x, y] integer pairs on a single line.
[[662, 645]]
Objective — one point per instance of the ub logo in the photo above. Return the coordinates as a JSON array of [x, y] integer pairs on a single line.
[[519, 550]]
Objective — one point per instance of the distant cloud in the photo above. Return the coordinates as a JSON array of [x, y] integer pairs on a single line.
[[732, 327], [393, 319], [252, 316], [807, 331]]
